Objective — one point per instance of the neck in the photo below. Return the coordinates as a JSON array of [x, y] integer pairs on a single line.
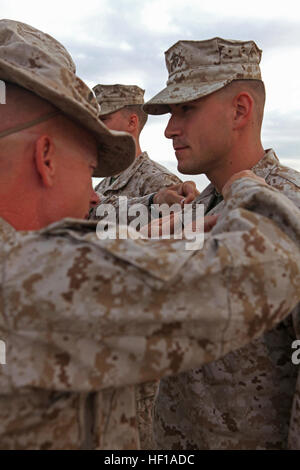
[[138, 150], [17, 220], [20, 210], [244, 158]]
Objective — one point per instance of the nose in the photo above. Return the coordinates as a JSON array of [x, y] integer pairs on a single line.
[[172, 130], [94, 201]]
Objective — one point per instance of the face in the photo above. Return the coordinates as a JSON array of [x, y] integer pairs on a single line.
[[201, 134], [115, 121]]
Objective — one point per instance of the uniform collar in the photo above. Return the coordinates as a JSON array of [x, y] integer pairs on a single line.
[[266, 164], [262, 168]]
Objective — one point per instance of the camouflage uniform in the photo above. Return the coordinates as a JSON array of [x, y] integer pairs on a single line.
[[248, 398], [244, 400], [143, 177], [84, 320]]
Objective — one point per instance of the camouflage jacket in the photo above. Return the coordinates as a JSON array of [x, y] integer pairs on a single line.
[[248, 399], [85, 320], [143, 177]]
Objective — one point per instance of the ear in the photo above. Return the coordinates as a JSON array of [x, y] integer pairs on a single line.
[[44, 160], [133, 122], [243, 107]]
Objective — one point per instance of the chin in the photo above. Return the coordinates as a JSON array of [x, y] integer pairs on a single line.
[[187, 171]]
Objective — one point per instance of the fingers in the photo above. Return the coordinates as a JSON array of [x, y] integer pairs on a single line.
[[167, 196], [159, 227], [172, 224], [182, 193], [210, 221], [189, 190]]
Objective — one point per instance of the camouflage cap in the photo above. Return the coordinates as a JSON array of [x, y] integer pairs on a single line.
[[199, 68], [36, 61], [114, 97]]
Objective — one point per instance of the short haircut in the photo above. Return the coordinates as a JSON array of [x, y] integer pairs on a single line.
[[256, 88], [138, 110]]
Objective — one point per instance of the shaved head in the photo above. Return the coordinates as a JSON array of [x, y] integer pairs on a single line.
[[45, 169], [23, 106]]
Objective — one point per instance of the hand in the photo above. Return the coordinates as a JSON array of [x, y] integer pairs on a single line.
[[236, 176], [182, 193], [173, 223], [162, 225], [209, 222]]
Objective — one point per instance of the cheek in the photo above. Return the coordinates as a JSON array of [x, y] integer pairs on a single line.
[[81, 184]]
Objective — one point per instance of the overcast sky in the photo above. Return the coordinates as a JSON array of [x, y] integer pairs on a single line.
[[123, 41]]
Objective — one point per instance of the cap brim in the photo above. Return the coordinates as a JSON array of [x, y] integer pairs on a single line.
[[116, 150], [180, 93], [107, 109]]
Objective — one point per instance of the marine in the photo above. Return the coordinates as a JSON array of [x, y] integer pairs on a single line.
[[248, 398], [85, 320]]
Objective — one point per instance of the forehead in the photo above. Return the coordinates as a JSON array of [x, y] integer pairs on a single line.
[[177, 106], [199, 102]]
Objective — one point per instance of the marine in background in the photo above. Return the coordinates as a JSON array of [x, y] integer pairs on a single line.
[[121, 110]]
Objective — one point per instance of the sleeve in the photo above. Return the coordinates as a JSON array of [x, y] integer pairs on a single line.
[[151, 184], [109, 202], [83, 314], [158, 180]]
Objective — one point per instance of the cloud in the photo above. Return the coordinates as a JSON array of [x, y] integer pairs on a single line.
[[123, 41]]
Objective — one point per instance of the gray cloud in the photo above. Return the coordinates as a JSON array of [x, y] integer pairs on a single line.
[[282, 131], [101, 59], [146, 58]]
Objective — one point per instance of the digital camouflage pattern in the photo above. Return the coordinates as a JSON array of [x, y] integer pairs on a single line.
[[199, 68], [248, 399], [85, 320], [143, 177], [111, 98]]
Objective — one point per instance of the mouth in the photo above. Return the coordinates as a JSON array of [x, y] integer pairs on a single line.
[[179, 150], [178, 146]]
